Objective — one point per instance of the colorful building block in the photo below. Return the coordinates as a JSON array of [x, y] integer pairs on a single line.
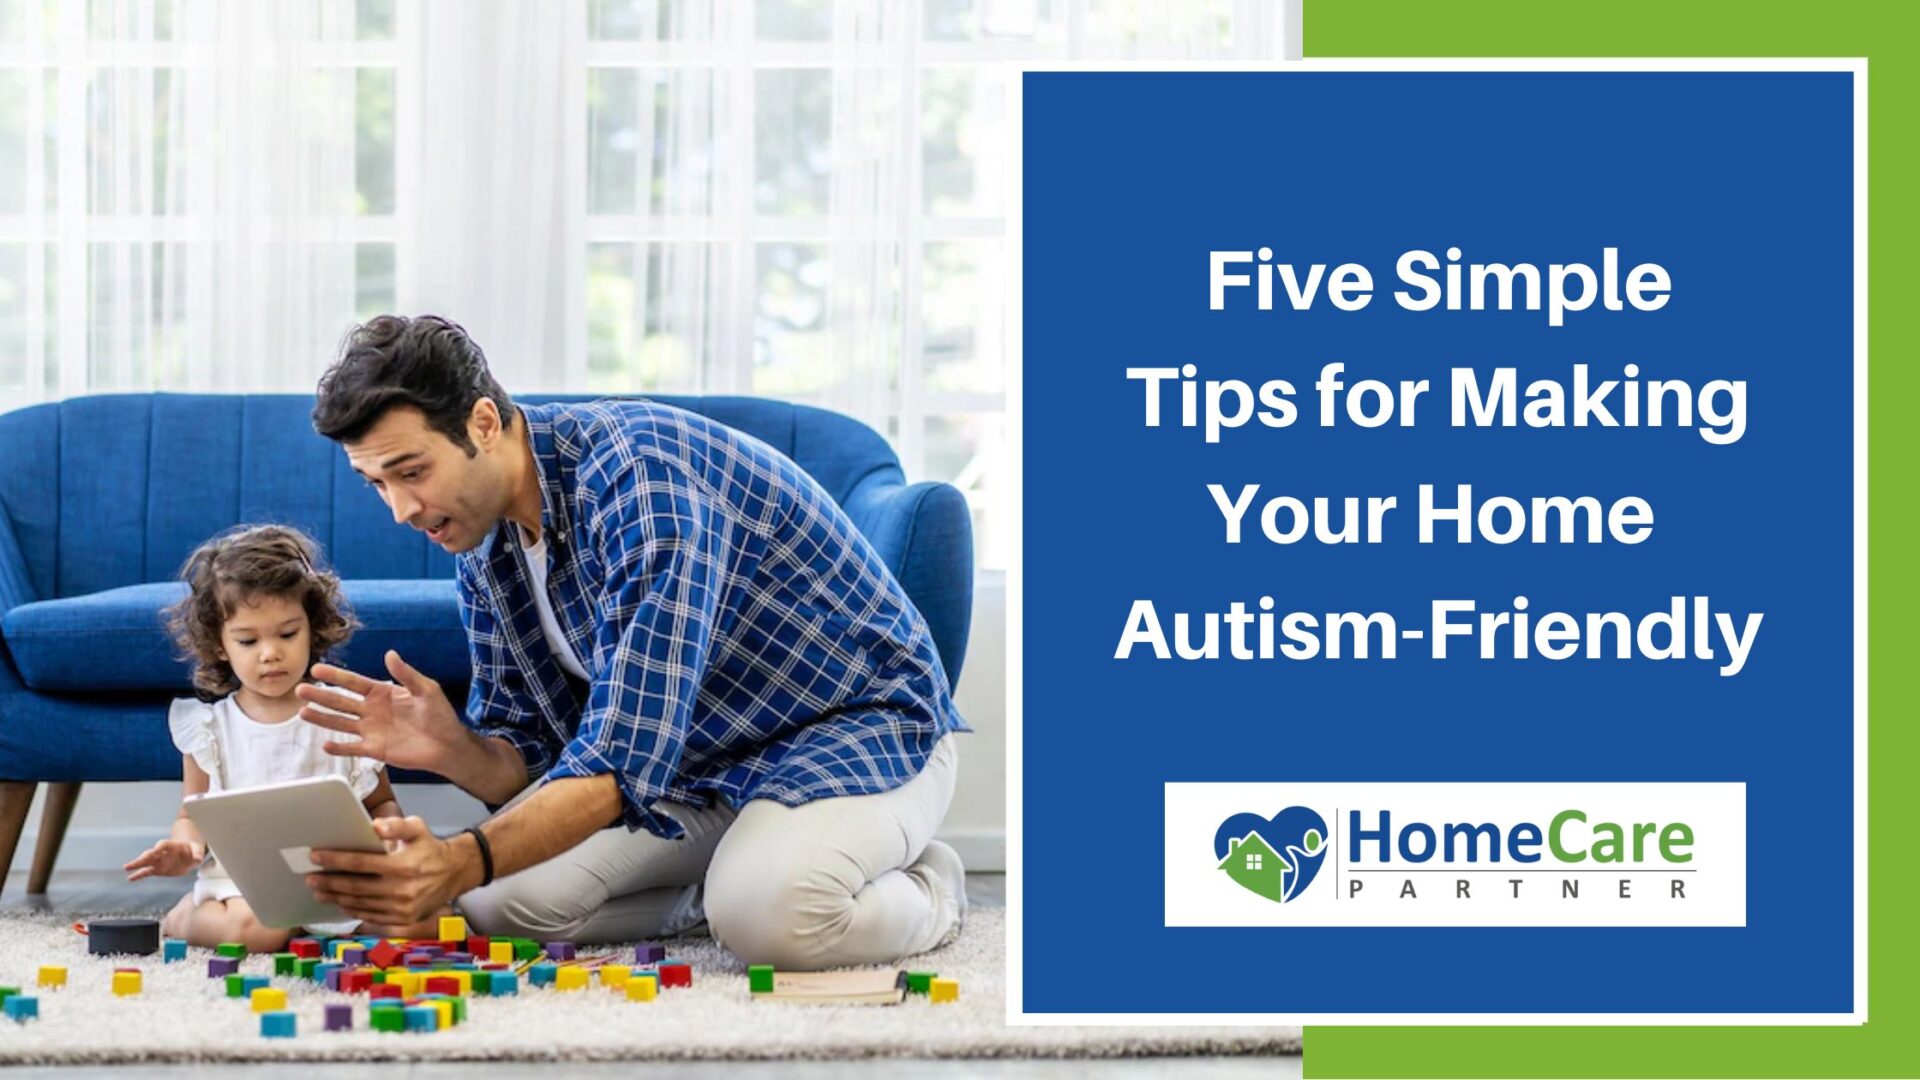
[[21, 1008], [173, 949], [356, 982], [503, 984], [384, 955], [385, 991], [674, 973], [570, 978], [561, 950], [285, 963], [8, 992], [917, 981], [442, 1006], [525, 948], [250, 983], [541, 974], [278, 1025], [220, 967], [500, 952], [339, 1018], [453, 928], [479, 944], [53, 976], [305, 947], [390, 1018], [481, 983], [939, 990], [236, 985], [649, 954], [760, 978], [306, 967], [230, 948], [614, 976], [268, 999], [422, 1018], [126, 983], [354, 956], [443, 984], [642, 987]]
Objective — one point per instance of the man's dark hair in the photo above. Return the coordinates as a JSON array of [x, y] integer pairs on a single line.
[[426, 362]]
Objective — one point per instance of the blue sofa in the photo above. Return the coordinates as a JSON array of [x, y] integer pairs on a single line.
[[102, 498]]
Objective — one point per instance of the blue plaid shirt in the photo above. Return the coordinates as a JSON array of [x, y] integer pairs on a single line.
[[743, 639]]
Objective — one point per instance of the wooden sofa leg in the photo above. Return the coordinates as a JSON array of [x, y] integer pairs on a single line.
[[16, 798], [53, 832]]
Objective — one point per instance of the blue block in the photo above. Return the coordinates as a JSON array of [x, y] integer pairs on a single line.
[[173, 949], [541, 974], [22, 1008], [320, 971], [277, 1025], [250, 983], [423, 1018], [504, 984]]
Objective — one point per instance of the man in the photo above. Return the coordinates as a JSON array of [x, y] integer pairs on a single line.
[[696, 687]]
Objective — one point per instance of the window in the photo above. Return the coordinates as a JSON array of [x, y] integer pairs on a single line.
[[1253, 860]]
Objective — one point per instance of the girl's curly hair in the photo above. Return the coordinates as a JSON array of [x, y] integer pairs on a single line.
[[243, 565]]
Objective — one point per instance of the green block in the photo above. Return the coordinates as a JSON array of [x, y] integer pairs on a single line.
[[231, 948], [236, 985], [389, 1019], [379, 976], [760, 978], [524, 949], [917, 981], [483, 982], [285, 963], [307, 964], [8, 991], [459, 1009]]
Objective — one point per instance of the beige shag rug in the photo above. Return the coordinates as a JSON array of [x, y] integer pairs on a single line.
[[183, 1016]]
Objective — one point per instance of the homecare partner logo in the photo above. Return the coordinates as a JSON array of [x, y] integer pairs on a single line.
[[1321, 854]]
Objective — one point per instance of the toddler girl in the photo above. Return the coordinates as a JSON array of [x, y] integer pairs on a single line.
[[258, 614]]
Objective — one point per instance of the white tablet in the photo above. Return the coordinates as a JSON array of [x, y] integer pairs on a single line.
[[262, 835]]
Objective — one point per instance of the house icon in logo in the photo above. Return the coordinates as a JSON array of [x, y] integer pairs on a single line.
[[1272, 857]]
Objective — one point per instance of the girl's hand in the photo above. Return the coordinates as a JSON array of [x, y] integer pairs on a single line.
[[168, 858]]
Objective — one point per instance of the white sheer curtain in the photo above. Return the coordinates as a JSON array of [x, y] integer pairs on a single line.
[[186, 213]]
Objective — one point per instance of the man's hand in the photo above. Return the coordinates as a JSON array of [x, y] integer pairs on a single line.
[[418, 876], [411, 725], [168, 858]]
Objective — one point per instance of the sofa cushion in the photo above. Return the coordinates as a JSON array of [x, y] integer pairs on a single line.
[[114, 639]]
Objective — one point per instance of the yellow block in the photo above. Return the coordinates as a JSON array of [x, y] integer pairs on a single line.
[[465, 979], [445, 1009], [614, 976], [943, 990], [570, 978], [409, 981], [126, 982], [500, 952], [453, 928], [642, 988], [269, 999], [53, 976]]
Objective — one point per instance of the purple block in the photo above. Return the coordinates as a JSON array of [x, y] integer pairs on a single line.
[[649, 954], [339, 1018], [353, 957], [419, 959], [560, 950], [222, 966], [333, 981], [457, 957]]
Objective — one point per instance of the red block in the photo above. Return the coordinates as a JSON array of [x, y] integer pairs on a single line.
[[441, 984], [675, 975], [478, 945], [356, 982], [305, 947], [384, 955], [451, 946], [384, 990]]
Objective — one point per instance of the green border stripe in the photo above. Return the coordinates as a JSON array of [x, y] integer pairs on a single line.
[[1888, 35]]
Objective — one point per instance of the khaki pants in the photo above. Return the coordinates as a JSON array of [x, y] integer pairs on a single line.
[[834, 882]]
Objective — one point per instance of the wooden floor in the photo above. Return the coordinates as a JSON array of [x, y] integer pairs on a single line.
[[98, 892]]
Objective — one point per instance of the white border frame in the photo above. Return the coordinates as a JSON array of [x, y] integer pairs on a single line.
[[1016, 574]]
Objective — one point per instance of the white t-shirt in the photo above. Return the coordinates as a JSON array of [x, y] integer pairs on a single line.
[[550, 626], [237, 751]]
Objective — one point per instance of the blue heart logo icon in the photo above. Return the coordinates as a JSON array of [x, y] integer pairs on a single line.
[[1276, 857]]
